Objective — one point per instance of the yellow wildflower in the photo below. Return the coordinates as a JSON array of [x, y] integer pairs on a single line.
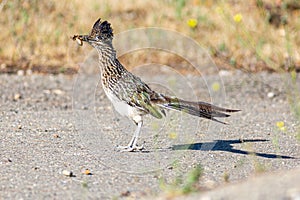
[[238, 18], [216, 86], [192, 23], [173, 135], [280, 125]]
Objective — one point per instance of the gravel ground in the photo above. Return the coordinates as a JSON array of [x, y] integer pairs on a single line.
[[51, 126]]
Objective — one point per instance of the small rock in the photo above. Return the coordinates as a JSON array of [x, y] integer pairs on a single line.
[[58, 92], [87, 172], [20, 72], [84, 107], [225, 73], [126, 193], [270, 95], [19, 126], [56, 135], [17, 96], [107, 128], [170, 167], [70, 125], [67, 173]]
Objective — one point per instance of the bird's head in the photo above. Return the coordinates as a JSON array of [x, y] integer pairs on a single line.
[[102, 33]]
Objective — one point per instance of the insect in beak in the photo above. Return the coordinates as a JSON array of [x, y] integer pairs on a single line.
[[78, 39]]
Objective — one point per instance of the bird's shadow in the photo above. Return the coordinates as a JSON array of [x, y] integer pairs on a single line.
[[227, 145]]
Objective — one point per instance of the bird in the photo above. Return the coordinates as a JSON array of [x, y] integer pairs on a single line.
[[130, 96]]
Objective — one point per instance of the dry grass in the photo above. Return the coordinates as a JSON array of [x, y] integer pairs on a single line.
[[35, 34]]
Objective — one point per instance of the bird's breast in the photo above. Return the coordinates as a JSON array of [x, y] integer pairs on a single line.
[[122, 107]]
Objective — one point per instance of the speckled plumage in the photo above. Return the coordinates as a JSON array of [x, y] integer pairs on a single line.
[[132, 97]]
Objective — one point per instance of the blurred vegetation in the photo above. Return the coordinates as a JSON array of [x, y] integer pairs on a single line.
[[251, 35], [183, 185]]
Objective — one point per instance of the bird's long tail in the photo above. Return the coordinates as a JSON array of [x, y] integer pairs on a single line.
[[200, 109]]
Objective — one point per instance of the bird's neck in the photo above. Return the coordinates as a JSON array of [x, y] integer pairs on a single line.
[[107, 56]]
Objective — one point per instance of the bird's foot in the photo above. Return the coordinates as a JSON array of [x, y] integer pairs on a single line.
[[130, 148]]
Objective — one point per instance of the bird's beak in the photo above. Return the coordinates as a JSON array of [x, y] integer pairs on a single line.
[[81, 38]]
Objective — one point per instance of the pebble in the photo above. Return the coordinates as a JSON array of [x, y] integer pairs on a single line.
[[270, 95], [67, 173], [84, 107], [58, 92], [17, 96], [170, 167], [225, 73], [87, 172], [107, 128], [8, 160], [20, 72], [126, 193]]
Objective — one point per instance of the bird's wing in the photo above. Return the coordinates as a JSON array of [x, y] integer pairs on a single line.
[[141, 99], [138, 94]]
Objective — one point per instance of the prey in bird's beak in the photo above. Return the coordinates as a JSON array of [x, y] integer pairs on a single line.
[[80, 39], [101, 32]]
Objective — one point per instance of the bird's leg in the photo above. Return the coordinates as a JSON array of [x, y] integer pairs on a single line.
[[132, 145]]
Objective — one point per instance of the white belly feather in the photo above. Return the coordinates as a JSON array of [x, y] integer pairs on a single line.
[[123, 108]]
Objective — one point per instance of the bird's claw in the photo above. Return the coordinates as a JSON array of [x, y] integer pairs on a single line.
[[130, 148]]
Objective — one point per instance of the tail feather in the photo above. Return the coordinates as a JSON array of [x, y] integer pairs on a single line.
[[200, 109]]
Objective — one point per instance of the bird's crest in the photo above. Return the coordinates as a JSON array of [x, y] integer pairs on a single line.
[[102, 30]]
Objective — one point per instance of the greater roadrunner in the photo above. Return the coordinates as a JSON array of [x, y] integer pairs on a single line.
[[132, 97]]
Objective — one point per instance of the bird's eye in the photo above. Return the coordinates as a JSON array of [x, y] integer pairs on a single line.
[[98, 37]]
